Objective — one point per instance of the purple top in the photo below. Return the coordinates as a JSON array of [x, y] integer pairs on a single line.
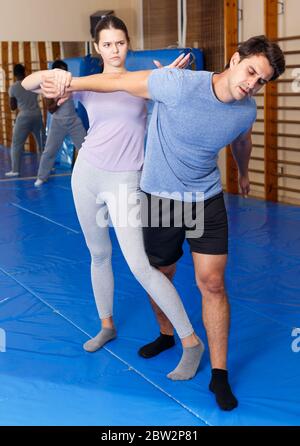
[[115, 139]]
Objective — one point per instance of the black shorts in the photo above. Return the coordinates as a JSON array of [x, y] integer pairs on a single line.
[[163, 244]]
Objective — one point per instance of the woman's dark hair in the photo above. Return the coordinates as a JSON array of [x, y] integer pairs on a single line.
[[19, 70], [110, 22], [60, 64], [262, 45]]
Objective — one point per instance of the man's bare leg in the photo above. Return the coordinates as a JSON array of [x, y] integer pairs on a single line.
[[209, 272], [166, 328]]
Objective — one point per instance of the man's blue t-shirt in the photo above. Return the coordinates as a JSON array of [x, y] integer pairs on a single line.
[[188, 127]]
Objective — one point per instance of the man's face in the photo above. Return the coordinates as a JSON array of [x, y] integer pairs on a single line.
[[248, 76]]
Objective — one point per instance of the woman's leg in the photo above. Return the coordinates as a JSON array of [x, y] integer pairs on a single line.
[[88, 208]]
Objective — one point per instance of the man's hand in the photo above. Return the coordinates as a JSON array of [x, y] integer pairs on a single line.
[[181, 61], [244, 185]]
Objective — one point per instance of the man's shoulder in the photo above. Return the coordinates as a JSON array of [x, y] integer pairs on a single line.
[[168, 72]]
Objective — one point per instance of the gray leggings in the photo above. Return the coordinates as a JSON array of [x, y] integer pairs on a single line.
[[24, 125], [59, 129], [97, 194]]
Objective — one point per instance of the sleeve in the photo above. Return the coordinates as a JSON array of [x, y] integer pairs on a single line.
[[165, 85], [11, 91], [252, 119]]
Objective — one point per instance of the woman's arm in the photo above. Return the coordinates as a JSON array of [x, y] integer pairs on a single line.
[[135, 83], [33, 81]]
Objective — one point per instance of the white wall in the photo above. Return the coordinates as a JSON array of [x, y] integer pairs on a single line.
[[61, 20]]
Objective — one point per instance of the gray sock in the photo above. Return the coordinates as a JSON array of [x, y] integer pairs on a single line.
[[105, 335], [188, 364]]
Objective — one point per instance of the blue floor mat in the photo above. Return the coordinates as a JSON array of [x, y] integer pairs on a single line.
[[47, 311]]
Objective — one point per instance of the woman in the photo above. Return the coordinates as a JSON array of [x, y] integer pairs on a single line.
[[109, 162]]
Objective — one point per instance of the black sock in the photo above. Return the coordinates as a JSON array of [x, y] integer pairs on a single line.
[[163, 342], [220, 386]]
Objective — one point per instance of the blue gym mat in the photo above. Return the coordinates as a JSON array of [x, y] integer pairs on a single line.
[[47, 311]]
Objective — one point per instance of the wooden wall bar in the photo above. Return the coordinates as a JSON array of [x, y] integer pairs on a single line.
[[205, 20], [6, 123], [160, 23], [27, 57], [270, 111], [231, 42], [56, 50]]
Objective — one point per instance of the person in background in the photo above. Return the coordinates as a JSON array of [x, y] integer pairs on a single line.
[[29, 120], [65, 121]]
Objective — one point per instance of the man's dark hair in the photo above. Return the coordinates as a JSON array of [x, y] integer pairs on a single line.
[[262, 45], [60, 64], [19, 70]]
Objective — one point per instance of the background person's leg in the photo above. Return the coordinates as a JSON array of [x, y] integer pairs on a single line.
[[54, 141], [77, 132], [21, 131], [39, 133]]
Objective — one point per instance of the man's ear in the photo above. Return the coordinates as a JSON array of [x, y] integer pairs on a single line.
[[96, 48], [235, 59]]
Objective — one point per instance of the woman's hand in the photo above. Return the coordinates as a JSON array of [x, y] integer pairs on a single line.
[[55, 83], [181, 61]]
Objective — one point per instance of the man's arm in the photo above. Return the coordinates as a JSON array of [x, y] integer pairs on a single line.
[[13, 103], [51, 105], [241, 149]]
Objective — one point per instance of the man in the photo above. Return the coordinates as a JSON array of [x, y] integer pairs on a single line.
[[29, 120], [65, 121], [195, 115]]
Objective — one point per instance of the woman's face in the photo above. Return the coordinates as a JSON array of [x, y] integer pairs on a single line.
[[112, 47]]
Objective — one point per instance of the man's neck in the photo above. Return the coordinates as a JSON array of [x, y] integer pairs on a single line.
[[220, 87]]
